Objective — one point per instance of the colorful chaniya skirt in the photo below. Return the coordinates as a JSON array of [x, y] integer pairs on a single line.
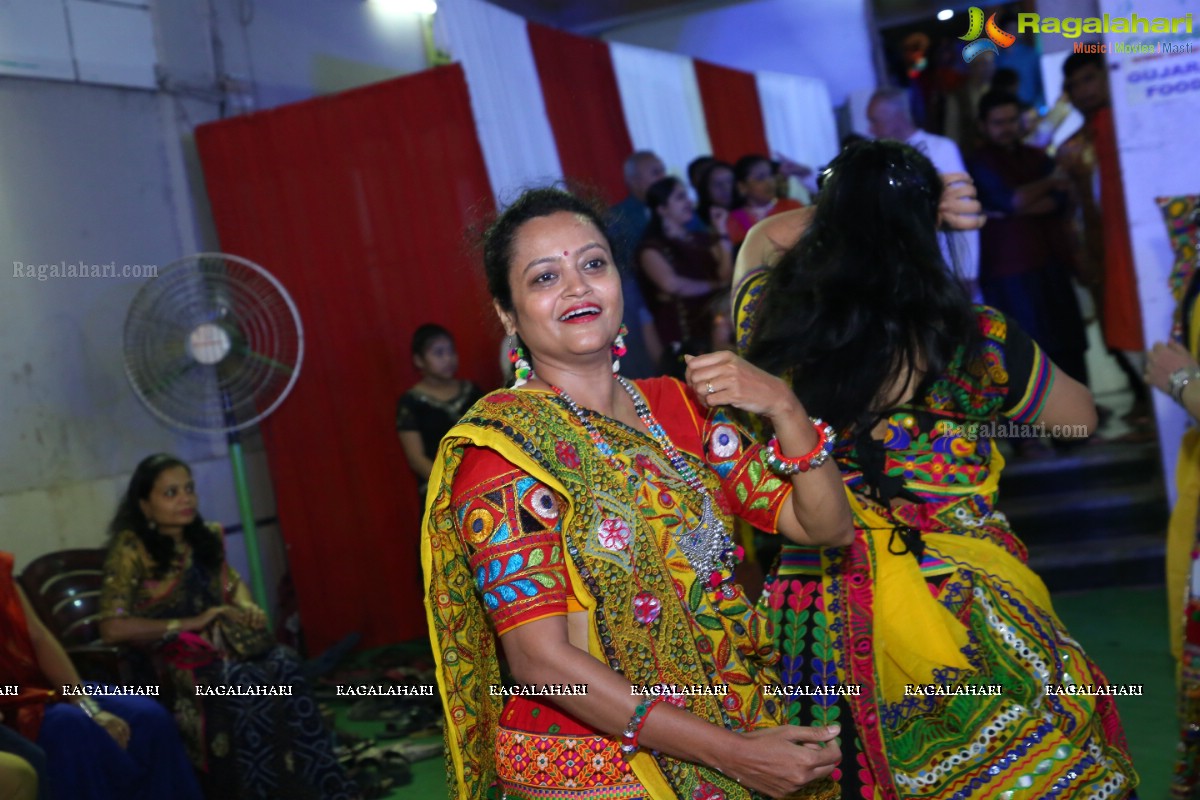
[[1185, 784], [543, 753], [949, 672]]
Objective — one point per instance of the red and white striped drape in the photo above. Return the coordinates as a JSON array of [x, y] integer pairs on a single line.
[[602, 101]]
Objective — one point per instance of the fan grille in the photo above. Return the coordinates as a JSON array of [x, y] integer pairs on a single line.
[[214, 343]]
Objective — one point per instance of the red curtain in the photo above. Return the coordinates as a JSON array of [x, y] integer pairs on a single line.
[[358, 202], [583, 104], [732, 111]]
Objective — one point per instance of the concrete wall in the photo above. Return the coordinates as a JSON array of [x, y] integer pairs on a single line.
[[97, 175]]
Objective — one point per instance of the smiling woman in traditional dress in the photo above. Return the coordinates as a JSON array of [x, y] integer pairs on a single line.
[[583, 522]]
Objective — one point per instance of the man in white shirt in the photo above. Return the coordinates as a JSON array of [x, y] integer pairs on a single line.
[[890, 116]]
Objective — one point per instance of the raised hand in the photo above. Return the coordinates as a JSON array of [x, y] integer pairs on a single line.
[[725, 379], [959, 207]]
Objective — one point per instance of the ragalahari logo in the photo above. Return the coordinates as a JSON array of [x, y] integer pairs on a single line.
[[977, 28]]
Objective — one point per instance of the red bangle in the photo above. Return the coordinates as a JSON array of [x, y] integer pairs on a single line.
[[782, 465], [629, 737]]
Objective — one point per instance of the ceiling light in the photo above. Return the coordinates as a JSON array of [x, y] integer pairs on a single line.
[[407, 6], [945, 14]]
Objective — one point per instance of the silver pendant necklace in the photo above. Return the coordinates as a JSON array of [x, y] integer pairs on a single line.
[[707, 547]]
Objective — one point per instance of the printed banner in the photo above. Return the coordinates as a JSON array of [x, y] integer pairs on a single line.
[[1155, 77]]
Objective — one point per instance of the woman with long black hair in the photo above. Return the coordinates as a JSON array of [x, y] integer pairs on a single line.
[[957, 678]]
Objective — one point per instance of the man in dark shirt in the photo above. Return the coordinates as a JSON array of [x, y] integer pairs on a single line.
[[1026, 255]]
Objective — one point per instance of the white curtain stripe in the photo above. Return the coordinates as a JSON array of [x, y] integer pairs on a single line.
[[662, 104], [506, 96], [798, 117]]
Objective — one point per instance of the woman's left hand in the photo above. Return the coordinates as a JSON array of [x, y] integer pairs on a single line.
[[254, 616], [117, 728], [1163, 359], [725, 379]]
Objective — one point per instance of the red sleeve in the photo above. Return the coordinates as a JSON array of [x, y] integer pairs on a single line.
[[737, 227], [511, 524], [750, 490]]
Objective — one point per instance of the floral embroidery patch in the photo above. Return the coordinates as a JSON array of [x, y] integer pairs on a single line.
[[646, 608], [614, 534]]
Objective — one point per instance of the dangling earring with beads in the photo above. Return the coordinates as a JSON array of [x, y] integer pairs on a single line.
[[618, 348], [521, 367]]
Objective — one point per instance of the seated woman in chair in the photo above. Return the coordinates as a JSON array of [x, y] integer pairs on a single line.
[[90, 748], [166, 579]]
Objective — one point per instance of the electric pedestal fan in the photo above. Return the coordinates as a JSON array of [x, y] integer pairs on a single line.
[[214, 344]]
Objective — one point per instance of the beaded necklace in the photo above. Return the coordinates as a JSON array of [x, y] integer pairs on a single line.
[[707, 547]]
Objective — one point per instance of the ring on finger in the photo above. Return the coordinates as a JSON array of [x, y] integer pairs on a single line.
[[710, 388]]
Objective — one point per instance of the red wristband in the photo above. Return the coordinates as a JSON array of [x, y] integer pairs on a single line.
[[633, 729], [782, 465]]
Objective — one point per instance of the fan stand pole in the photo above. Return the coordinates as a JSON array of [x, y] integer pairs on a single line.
[[257, 583]]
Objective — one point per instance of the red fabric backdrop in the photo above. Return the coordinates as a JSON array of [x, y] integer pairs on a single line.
[[357, 202], [732, 111], [584, 107]]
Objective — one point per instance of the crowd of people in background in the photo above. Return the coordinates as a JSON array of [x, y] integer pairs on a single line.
[[1051, 257], [1055, 204]]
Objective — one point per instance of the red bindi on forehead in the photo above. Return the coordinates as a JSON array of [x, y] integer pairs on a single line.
[[565, 253]]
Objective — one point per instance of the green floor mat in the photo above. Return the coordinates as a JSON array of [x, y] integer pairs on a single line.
[[1125, 633]]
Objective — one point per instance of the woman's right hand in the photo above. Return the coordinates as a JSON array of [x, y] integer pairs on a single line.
[[206, 618], [778, 761], [116, 727]]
